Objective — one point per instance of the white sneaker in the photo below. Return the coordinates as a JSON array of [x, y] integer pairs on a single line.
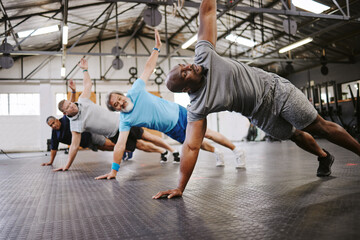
[[219, 158], [239, 158]]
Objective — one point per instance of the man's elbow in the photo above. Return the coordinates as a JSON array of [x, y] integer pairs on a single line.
[[192, 147]]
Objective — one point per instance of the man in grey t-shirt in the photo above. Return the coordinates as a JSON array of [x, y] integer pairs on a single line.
[[272, 103]]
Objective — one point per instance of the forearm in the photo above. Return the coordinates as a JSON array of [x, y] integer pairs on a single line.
[[74, 148], [117, 156], [52, 156], [72, 96], [87, 80], [187, 163], [207, 7]]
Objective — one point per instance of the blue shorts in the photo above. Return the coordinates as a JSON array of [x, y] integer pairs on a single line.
[[178, 132]]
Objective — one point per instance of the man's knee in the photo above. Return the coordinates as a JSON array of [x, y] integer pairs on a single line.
[[319, 127]]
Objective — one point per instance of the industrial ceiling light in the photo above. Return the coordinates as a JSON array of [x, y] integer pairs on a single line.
[[38, 31], [295, 45], [189, 42], [311, 6], [63, 72], [240, 40], [65, 35]]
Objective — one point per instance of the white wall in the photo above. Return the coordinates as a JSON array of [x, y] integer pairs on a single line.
[[29, 133]]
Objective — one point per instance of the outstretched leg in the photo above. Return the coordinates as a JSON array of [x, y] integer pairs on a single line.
[[157, 141], [219, 138], [307, 142], [108, 145], [334, 133], [148, 146]]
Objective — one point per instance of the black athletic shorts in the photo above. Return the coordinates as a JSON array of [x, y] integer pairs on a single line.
[[135, 134]]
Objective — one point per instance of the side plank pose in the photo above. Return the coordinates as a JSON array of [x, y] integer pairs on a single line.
[[61, 133], [142, 109], [215, 84], [86, 116]]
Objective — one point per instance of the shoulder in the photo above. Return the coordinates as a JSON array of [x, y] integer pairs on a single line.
[[204, 45]]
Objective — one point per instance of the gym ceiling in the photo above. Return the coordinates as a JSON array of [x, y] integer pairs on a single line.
[[271, 25]]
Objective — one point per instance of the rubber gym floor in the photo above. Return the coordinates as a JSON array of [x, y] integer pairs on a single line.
[[278, 196]]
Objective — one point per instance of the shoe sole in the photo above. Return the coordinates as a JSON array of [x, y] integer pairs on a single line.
[[163, 161], [176, 162], [240, 167], [220, 165], [328, 173]]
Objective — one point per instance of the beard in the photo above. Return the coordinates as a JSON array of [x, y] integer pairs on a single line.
[[129, 107]]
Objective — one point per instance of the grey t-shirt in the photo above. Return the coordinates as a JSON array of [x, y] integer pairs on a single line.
[[229, 85], [95, 119]]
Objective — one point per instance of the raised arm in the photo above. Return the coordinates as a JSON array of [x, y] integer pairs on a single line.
[[119, 150], [195, 132], [74, 148], [86, 81], [72, 86], [151, 62], [207, 28]]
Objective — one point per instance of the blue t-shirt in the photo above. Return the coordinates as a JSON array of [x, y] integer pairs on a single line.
[[149, 111]]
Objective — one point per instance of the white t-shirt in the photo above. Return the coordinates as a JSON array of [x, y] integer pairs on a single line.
[[95, 119]]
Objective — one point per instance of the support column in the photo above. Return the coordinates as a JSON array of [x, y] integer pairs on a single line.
[[47, 108]]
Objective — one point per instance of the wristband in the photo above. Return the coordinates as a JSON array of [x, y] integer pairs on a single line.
[[85, 70], [156, 49], [73, 92], [115, 166]]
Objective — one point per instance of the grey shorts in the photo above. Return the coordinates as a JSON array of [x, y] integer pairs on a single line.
[[284, 109], [98, 140]]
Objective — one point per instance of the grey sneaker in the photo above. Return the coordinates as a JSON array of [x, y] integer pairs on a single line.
[[219, 158], [239, 158], [325, 163]]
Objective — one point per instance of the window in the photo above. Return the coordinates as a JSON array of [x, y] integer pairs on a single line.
[[4, 104], [59, 97], [182, 99], [349, 88], [19, 104]]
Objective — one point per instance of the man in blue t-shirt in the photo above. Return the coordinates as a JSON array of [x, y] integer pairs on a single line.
[[142, 109], [215, 84]]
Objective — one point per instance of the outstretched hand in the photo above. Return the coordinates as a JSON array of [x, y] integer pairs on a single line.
[[60, 169], [83, 64], [106, 176], [171, 193], [72, 85], [46, 164], [157, 39]]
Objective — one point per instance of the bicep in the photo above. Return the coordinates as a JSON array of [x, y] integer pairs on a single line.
[[195, 132], [122, 139], [76, 138]]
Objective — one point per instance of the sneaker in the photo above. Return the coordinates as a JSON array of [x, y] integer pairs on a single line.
[[130, 155], [219, 158], [239, 158], [176, 157], [164, 157], [325, 163]]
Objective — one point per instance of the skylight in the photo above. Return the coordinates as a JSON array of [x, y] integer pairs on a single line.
[[240, 40], [311, 6], [39, 31]]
